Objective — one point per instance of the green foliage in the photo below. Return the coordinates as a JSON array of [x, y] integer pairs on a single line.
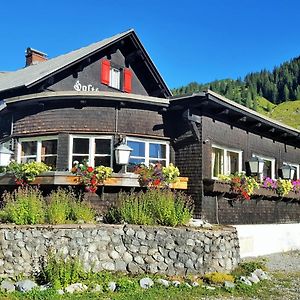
[[24, 206], [279, 85], [125, 284], [112, 216], [217, 278], [26, 172], [81, 211], [61, 272], [59, 206], [136, 209], [153, 207], [246, 268], [65, 207]]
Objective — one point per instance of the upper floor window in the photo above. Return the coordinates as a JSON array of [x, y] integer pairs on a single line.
[[269, 166], [146, 152], [116, 77], [225, 161], [41, 149], [97, 150]]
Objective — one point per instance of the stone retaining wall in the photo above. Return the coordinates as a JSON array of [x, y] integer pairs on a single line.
[[132, 249]]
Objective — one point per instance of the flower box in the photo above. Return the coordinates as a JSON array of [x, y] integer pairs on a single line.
[[66, 178], [217, 187]]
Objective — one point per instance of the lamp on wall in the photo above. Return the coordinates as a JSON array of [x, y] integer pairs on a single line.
[[288, 172], [5, 155], [256, 165], [122, 152]]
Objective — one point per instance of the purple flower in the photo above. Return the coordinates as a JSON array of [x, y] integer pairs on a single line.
[[270, 183]]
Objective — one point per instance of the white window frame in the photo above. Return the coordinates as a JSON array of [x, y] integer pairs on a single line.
[[295, 166], [92, 148], [39, 141], [147, 149], [225, 161], [115, 78], [271, 159]]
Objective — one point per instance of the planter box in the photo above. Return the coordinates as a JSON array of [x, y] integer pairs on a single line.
[[217, 187], [66, 178]]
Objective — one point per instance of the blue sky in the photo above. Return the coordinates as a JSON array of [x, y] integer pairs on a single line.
[[191, 40]]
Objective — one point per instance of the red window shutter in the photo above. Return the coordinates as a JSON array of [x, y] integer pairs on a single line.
[[105, 70], [127, 80]]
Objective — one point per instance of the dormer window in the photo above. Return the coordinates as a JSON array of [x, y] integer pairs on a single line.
[[115, 77]]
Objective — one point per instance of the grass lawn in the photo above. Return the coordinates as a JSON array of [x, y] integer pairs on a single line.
[[282, 286]]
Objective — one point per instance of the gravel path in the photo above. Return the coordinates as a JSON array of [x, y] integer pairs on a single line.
[[282, 262]]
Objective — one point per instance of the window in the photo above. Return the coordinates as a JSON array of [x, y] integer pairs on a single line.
[[41, 149], [111, 75], [96, 150], [115, 77], [297, 171], [225, 161], [147, 152], [269, 166]]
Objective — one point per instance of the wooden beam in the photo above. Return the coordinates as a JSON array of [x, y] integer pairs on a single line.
[[223, 112]]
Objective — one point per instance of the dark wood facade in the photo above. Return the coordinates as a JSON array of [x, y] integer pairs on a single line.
[[66, 99], [201, 124]]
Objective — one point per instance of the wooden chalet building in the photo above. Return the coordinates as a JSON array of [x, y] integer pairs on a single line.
[[78, 105]]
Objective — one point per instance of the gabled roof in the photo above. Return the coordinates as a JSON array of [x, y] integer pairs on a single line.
[[30, 75]]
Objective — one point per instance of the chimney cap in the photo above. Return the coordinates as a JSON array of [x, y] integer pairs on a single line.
[[30, 50]]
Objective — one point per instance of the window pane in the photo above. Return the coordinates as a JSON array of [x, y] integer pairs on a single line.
[[102, 146], [233, 162], [267, 172], [133, 162], [217, 161], [80, 146], [102, 160], [28, 159], [115, 78], [157, 150], [49, 147], [80, 159], [29, 148], [138, 148], [154, 161], [49, 161]]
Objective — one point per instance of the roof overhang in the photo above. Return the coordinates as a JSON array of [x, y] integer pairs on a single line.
[[95, 95], [219, 107]]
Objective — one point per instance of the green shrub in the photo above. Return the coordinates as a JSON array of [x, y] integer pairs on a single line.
[[170, 208], [112, 216], [59, 206], [217, 278], [155, 206], [24, 206], [65, 207], [61, 272], [81, 211], [246, 268], [136, 209]]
